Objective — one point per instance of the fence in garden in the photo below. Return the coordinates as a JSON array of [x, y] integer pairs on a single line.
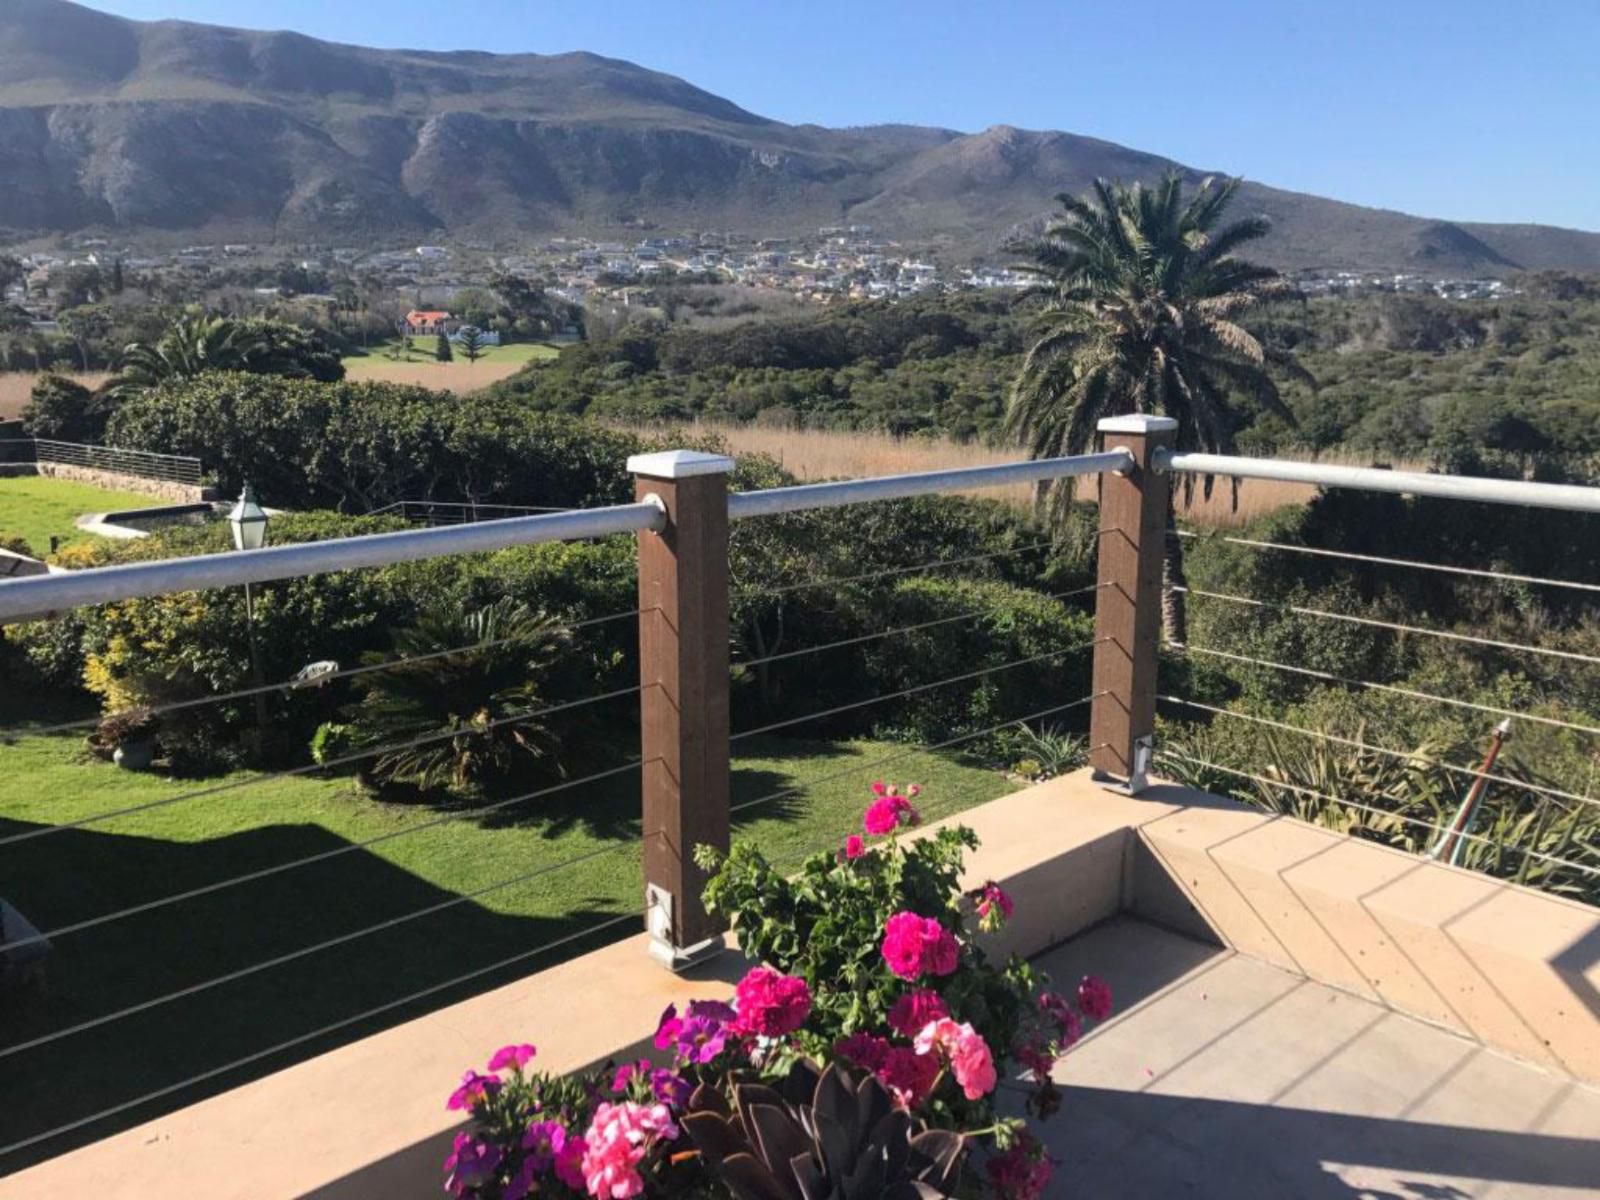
[[682, 517], [455, 512], [143, 464]]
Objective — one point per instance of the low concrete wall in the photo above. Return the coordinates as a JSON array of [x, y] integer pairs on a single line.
[[178, 493], [1516, 969]]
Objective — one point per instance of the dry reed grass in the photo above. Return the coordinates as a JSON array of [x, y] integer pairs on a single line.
[[17, 386], [832, 454], [459, 377]]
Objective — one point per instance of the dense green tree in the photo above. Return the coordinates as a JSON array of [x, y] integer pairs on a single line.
[[1143, 300], [441, 349], [66, 411]]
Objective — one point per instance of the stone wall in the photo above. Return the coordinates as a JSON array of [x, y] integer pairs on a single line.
[[163, 489]]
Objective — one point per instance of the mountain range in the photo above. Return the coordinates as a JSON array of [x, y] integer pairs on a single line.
[[175, 128]]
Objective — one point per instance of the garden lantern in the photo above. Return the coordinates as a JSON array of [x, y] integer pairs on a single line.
[[249, 521]]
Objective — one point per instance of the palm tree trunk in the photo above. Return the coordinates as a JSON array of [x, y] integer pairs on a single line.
[[1174, 614]]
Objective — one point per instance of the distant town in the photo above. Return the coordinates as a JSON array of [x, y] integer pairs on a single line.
[[844, 262]]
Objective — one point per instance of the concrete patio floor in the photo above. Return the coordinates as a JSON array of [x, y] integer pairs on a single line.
[[1223, 1076]]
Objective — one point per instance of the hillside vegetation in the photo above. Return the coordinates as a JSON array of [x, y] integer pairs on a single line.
[[1512, 384]]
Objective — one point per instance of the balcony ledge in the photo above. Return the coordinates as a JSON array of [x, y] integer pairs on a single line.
[[1514, 970]]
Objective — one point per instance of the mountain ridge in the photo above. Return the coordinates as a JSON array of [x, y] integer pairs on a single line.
[[175, 128]]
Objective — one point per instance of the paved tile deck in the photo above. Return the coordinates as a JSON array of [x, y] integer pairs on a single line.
[[1223, 1076]]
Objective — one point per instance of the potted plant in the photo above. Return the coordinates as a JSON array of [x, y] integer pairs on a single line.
[[859, 1059]]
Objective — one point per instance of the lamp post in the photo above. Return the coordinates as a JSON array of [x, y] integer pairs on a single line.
[[249, 521]]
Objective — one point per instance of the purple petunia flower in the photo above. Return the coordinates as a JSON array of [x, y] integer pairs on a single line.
[[512, 1057]]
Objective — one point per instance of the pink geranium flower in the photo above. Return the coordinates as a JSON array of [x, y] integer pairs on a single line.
[[618, 1139], [968, 1054], [771, 1003], [888, 812], [854, 847]]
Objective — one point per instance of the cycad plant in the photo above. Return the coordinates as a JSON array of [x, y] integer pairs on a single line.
[[1143, 299], [472, 678]]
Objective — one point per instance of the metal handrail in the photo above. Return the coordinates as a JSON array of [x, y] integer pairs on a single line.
[[772, 501], [1567, 496], [39, 595]]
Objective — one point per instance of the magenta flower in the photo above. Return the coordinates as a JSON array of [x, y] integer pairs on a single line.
[[700, 1035], [668, 1028], [1094, 998], [771, 1003], [879, 788], [512, 1057], [994, 906], [701, 1039], [914, 946], [626, 1072], [474, 1087], [541, 1143], [902, 944], [914, 1010], [909, 1076], [888, 812], [1056, 1007], [714, 1010], [862, 1050], [569, 1150], [854, 847], [1023, 1172], [881, 817], [472, 1163], [670, 1088], [943, 953]]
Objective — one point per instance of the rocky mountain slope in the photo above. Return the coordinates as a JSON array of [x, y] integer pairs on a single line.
[[192, 130]]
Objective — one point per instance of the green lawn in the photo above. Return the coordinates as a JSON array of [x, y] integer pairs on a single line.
[[82, 873], [36, 507], [422, 353]]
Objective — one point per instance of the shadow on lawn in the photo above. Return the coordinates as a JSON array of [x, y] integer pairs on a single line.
[[95, 972], [82, 874]]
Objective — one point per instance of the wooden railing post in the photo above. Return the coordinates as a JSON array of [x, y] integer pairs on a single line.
[[683, 675], [1133, 520]]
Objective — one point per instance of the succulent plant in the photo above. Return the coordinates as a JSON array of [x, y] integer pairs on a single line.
[[820, 1136]]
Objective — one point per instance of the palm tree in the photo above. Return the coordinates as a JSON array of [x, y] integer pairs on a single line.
[[193, 344], [1143, 300]]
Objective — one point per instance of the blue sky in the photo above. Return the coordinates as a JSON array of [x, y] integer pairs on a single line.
[[1465, 109]]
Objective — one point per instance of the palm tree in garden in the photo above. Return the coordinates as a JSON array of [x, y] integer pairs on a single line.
[[1143, 299], [194, 344]]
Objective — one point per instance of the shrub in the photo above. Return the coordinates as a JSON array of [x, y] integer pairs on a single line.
[[1030, 644]]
